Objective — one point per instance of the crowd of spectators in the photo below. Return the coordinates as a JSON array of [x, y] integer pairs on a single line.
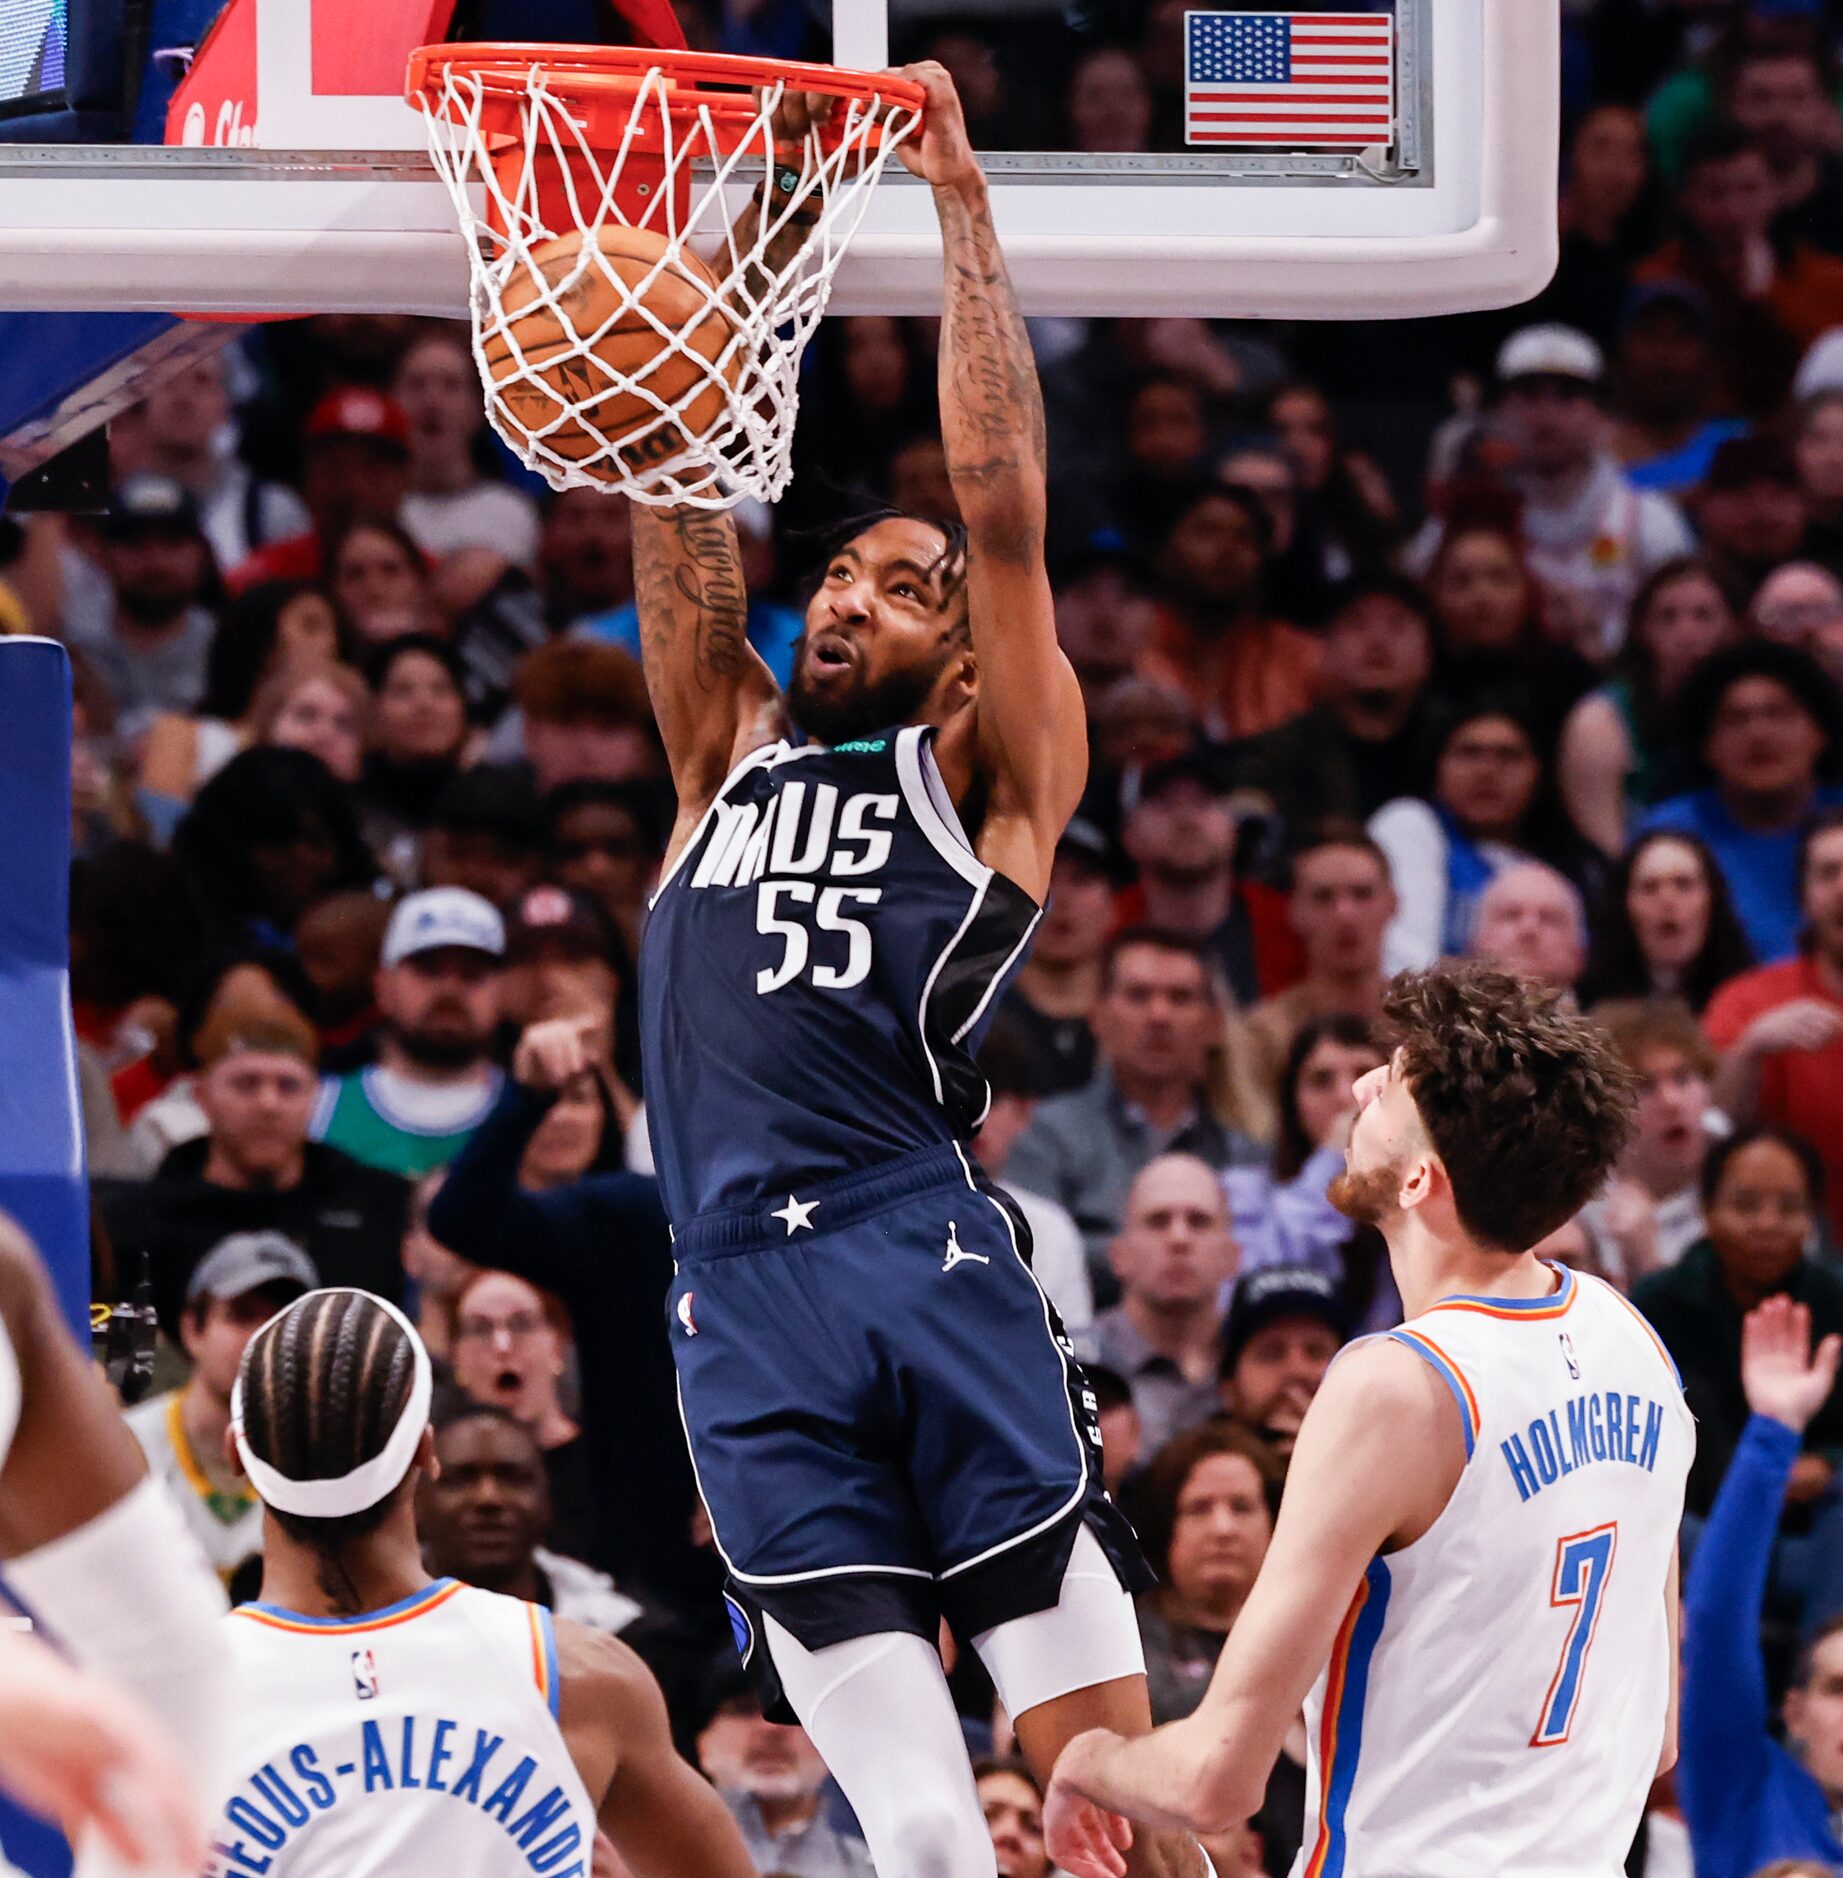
[[1518, 635]]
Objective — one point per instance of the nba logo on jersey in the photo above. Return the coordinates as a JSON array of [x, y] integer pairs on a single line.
[[1568, 1356], [684, 1314], [364, 1675]]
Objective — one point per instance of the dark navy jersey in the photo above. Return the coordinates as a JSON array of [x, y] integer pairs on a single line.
[[818, 969]]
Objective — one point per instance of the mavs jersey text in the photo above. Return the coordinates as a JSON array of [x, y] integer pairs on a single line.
[[818, 969], [420, 1738], [1496, 1697], [885, 1416]]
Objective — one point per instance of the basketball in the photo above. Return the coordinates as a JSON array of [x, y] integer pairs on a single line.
[[585, 374]]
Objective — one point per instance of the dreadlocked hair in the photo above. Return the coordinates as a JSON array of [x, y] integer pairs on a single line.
[[324, 1384], [952, 562]]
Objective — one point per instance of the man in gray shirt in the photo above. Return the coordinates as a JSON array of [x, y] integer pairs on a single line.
[[1158, 1015]]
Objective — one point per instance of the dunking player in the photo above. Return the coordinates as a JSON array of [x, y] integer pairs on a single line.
[[388, 1722], [98, 1554], [886, 1424], [1474, 1571]]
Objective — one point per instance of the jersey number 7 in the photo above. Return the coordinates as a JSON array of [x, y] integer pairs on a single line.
[[1583, 1564]]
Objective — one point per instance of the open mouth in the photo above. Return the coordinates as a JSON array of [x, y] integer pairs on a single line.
[[506, 1382], [831, 655]]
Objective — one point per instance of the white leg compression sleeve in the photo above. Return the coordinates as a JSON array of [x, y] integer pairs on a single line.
[[879, 1712], [1090, 1635], [130, 1598]]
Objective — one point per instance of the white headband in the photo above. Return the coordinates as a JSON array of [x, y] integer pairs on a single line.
[[371, 1480]]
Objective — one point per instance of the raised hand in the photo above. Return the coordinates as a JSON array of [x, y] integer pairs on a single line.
[[941, 152], [553, 1054], [1804, 1024], [1784, 1378]]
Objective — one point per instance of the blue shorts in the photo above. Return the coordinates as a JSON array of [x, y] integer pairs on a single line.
[[888, 1423]]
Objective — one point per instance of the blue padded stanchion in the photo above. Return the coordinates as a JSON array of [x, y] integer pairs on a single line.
[[42, 1181]]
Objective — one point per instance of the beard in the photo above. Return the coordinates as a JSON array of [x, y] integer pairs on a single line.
[[441, 1049], [1367, 1198], [860, 709]]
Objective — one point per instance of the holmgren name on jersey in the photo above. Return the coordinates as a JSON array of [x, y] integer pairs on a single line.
[[432, 1754], [1599, 1425]]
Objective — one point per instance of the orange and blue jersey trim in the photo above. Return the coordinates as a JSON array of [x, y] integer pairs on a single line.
[[1522, 1310], [1340, 1731], [1644, 1324], [1451, 1374], [544, 1657], [417, 1604]]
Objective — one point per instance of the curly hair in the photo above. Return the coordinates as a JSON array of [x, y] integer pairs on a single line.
[[1526, 1101]]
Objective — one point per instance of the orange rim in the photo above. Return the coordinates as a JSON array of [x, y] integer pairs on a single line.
[[711, 88]]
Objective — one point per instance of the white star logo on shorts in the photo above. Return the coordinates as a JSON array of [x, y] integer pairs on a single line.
[[797, 1213]]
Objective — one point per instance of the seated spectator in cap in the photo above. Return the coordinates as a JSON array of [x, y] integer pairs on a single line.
[[1285, 1324], [450, 505], [1156, 1021], [1592, 537], [1531, 921], [510, 1351], [772, 1779], [437, 1277], [1117, 1416], [1048, 1007], [1174, 1255], [183, 428], [1340, 905], [255, 1170], [233, 1291], [272, 832], [263, 632], [773, 630], [486, 834], [380, 583], [439, 983], [356, 467], [484, 1517], [1443, 852], [419, 741], [1367, 742], [1768, 727], [606, 840], [1762, 1192], [1665, 926], [1771, 298], [1780, 1029], [564, 960], [1746, 1796], [1056, 1253], [1182, 836], [1244, 670], [601, 1246], [1668, 392], [1489, 617], [1013, 1804], [584, 716], [318, 706], [151, 643], [1651, 1211], [1801, 604], [1621, 749], [1750, 511]]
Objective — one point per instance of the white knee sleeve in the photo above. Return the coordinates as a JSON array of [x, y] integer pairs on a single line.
[[879, 1712], [1089, 1636]]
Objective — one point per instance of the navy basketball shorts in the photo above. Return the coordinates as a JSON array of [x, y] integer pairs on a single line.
[[888, 1423]]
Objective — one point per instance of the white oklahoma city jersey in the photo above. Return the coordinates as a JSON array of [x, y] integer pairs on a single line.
[[417, 1739], [1496, 1698]]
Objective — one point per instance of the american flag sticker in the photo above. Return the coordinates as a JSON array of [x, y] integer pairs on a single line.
[[1289, 80]]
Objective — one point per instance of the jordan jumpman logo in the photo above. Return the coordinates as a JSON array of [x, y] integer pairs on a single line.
[[955, 1256]]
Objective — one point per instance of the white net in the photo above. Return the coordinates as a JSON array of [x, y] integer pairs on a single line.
[[639, 311]]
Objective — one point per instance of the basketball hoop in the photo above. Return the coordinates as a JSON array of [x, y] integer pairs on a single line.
[[649, 265]]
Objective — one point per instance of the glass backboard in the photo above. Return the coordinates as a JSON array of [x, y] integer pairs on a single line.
[[296, 179]]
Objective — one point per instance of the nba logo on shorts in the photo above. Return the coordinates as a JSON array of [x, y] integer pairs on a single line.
[[684, 1314], [364, 1675]]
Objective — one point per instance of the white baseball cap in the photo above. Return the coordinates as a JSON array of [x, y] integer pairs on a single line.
[[1551, 351], [443, 916]]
